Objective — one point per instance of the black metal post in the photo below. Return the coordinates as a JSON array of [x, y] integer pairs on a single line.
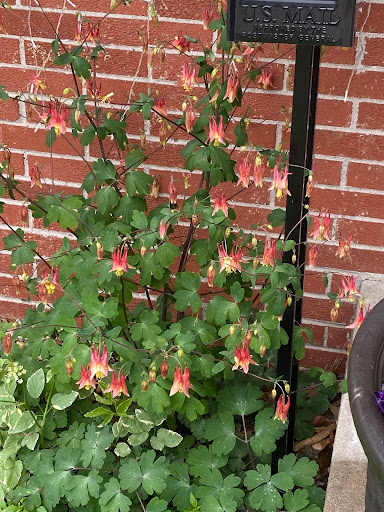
[[300, 158]]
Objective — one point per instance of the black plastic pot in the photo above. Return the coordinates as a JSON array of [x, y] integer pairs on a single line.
[[365, 376]]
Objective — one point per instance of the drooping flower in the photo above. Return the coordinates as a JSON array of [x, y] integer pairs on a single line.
[[266, 78], [16, 281], [208, 15], [164, 368], [181, 43], [313, 255], [190, 118], [24, 213], [322, 226], [163, 229], [181, 382], [242, 358], [161, 107], [359, 319], [230, 263], [348, 288], [253, 51], [220, 204], [310, 186], [335, 312], [119, 261], [118, 385], [98, 366], [216, 132], [35, 174], [258, 171], [280, 181], [155, 187], [86, 380], [282, 408], [244, 172], [172, 195], [211, 272], [269, 254], [232, 87], [35, 84], [344, 246], [57, 119], [48, 285], [188, 78], [7, 343]]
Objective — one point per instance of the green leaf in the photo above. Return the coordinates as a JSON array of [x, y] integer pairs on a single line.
[[156, 505], [267, 432], [81, 66], [64, 58], [88, 135], [104, 170], [24, 254], [214, 484], [155, 396], [113, 499], [122, 450], [81, 487], [179, 486], [61, 401], [146, 328], [297, 501], [167, 438], [187, 285], [220, 429], [94, 446], [237, 292], [36, 383], [277, 217], [10, 473], [302, 470], [138, 182], [219, 310], [151, 473], [240, 400], [106, 198], [202, 457], [139, 220]]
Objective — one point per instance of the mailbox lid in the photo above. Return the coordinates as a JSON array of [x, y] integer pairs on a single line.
[[311, 22]]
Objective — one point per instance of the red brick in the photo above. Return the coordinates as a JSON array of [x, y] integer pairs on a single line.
[[264, 105], [10, 50], [13, 310], [192, 10], [365, 176], [334, 80], [339, 55], [338, 337], [139, 7], [9, 110], [63, 169], [331, 361], [318, 333], [373, 51], [369, 84], [362, 259], [367, 233], [371, 116], [375, 20], [320, 309], [326, 171], [348, 203], [353, 145], [313, 281], [23, 137], [333, 112]]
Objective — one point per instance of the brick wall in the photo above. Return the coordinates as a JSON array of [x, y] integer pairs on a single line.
[[348, 166]]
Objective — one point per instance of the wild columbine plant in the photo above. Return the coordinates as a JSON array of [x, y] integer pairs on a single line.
[[145, 376]]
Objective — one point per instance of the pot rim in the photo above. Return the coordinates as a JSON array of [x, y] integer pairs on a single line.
[[365, 376]]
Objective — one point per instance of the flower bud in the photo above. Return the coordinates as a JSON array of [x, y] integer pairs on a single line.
[[211, 272], [21, 344], [263, 350], [227, 232], [24, 276], [255, 262], [113, 5], [143, 251], [77, 116], [7, 343], [254, 241], [294, 258], [69, 366], [289, 301], [144, 385], [248, 336], [231, 330], [66, 90], [273, 393], [180, 353], [164, 369], [287, 387], [24, 214], [152, 376], [334, 313], [195, 220], [99, 250]]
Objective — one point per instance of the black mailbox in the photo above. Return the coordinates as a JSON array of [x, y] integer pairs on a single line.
[[311, 22]]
